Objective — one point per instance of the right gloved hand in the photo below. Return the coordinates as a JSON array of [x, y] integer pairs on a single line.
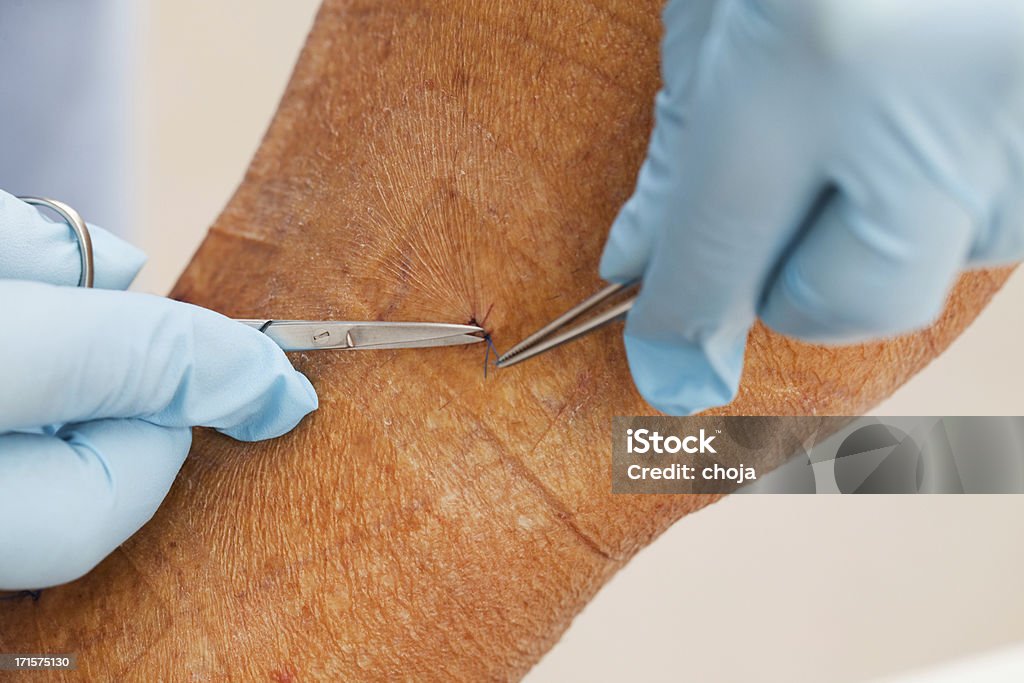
[[99, 390], [827, 165]]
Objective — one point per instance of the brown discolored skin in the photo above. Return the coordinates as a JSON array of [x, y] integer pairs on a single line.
[[429, 161]]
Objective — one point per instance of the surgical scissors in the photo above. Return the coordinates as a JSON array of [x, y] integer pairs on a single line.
[[302, 335], [313, 335], [553, 334]]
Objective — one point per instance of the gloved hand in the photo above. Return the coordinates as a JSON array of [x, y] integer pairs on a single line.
[[98, 392], [826, 165]]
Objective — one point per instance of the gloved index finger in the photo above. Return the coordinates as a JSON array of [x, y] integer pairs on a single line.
[[725, 191], [76, 355], [37, 248]]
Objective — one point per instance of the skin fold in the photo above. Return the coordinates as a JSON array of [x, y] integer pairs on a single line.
[[449, 161]]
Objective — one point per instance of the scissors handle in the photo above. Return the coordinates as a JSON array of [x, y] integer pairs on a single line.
[[78, 226]]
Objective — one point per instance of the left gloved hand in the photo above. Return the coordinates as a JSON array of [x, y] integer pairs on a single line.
[[98, 392], [828, 165]]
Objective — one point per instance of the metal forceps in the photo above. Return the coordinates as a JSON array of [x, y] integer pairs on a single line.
[[302, 335], [620, 296]]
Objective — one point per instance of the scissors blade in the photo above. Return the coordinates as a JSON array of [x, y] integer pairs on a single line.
[[313, 335], [413, 335]]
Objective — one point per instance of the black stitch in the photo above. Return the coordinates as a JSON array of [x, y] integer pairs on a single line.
[[487, 355], [18, 595]]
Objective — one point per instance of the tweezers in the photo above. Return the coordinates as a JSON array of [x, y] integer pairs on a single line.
[[313, 335], [620, 296]]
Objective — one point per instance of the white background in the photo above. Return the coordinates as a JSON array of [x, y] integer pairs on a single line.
[[753, 588]]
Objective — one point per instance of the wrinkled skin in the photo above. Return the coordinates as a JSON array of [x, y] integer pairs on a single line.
[[429, 161]]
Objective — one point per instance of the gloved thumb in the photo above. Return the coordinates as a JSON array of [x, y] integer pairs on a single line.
[[37, 248]]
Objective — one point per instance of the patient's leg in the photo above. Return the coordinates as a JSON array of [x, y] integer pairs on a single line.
[[444, 161]]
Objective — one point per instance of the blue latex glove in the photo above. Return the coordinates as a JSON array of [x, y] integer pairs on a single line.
[[827, 165], [98, 392]]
